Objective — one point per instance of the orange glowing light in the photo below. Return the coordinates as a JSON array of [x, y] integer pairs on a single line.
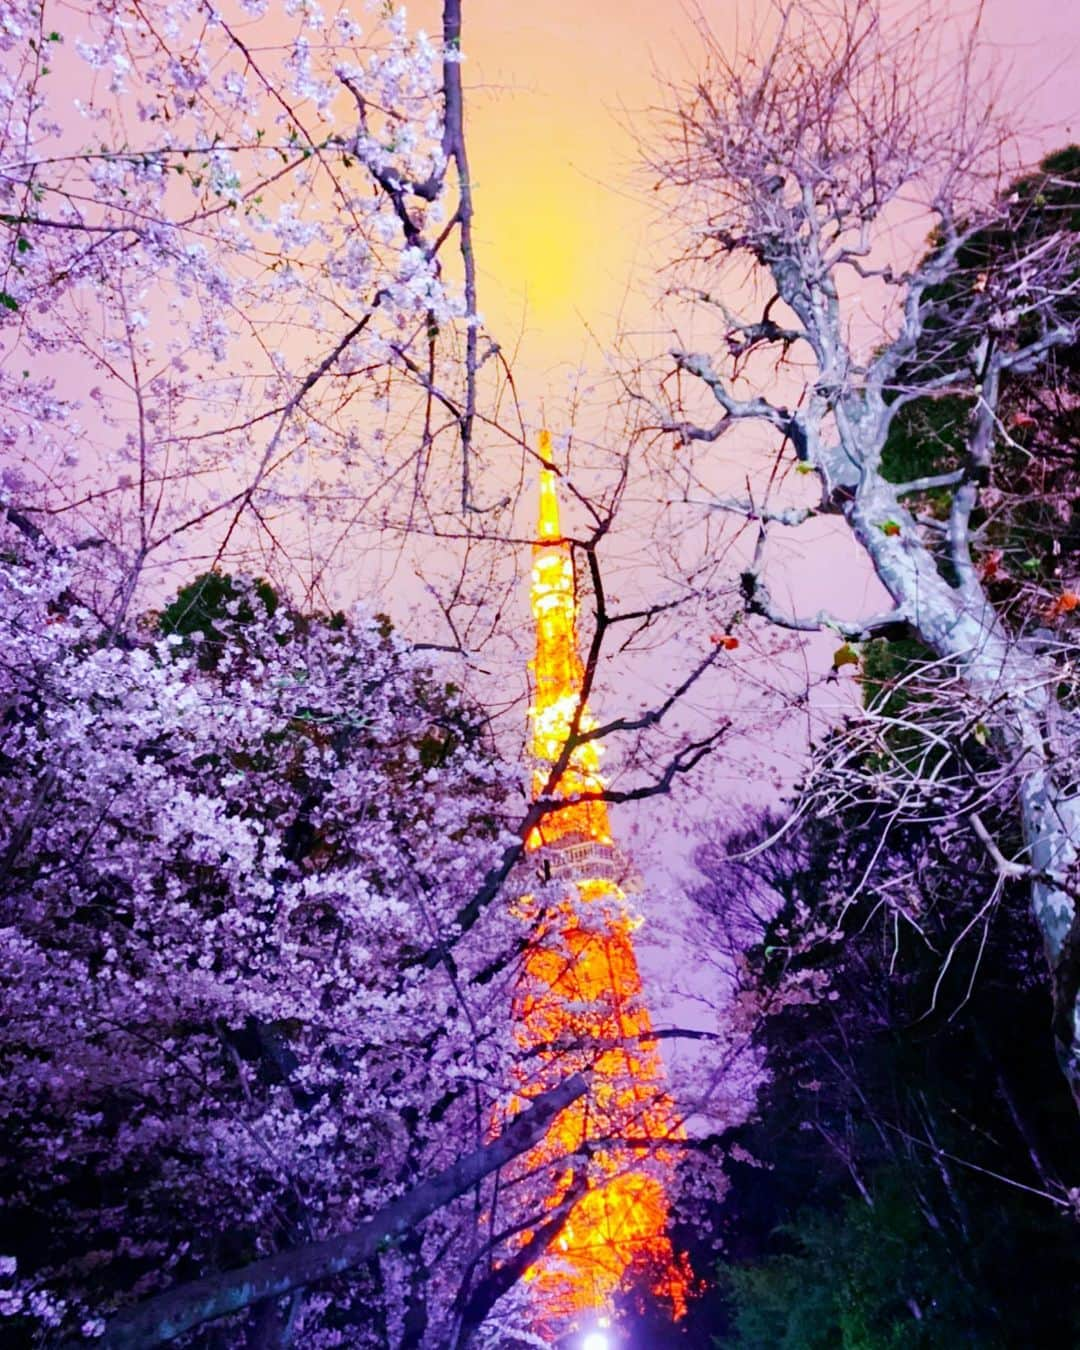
[[581, 1003]]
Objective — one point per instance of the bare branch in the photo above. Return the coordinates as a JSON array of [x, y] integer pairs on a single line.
[[755, 409], [894, 623]]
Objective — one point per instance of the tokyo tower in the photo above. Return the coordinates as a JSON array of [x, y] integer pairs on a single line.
[[580, 1004]]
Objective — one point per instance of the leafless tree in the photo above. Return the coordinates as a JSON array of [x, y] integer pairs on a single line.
[[809, 172]]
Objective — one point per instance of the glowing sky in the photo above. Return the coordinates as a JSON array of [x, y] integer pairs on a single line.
[[567, 237]]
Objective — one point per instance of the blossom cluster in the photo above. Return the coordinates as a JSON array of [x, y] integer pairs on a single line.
[[229, 840], [225, 228]]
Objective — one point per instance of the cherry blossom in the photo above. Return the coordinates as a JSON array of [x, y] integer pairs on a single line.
[[228, 841]]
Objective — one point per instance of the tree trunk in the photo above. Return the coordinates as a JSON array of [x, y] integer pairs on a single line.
[[1016, 690]]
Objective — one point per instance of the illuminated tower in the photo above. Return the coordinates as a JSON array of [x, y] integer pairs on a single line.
[[581, 1002]]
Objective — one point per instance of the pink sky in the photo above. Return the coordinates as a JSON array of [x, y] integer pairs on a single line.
[[569, 244]]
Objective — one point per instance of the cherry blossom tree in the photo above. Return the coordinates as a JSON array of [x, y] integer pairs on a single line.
[[226, 848], [258, 856], [260, 962], [229, 327]]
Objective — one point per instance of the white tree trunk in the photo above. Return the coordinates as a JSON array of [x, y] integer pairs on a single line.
[[1016, 690]]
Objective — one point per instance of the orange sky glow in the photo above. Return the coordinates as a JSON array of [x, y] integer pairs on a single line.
[[568, 236]]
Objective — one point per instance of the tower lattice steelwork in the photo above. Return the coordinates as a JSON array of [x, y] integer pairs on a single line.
[[581, 1002]]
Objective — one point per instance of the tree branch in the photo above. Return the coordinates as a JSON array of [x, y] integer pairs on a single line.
[[503, 1277], [788, 515], [177, 1311], [752, 409], [893, 624]]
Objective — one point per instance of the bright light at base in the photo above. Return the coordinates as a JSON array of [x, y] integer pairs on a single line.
[[596, 1340]]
